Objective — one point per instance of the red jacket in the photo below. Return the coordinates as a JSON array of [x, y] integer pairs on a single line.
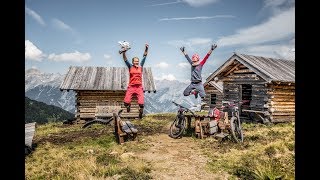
[[135, 75]]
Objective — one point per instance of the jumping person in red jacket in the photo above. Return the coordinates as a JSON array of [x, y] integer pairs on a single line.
[[135, 85], [196, 85]]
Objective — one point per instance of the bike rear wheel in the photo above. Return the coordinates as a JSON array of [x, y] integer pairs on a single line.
[[176, 128], [236, 130]]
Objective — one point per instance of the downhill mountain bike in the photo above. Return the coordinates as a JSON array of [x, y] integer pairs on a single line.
[[179, 124]]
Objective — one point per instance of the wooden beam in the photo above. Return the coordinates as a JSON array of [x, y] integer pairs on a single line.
[[243, 71], [236, 66]]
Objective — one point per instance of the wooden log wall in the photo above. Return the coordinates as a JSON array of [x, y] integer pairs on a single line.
[[86, 102], [219, 96], [281, 102], [240, 79], [259, 97], [231, 91]]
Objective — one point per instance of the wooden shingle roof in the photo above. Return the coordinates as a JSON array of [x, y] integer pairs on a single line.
[[270, 69], [103, 78]]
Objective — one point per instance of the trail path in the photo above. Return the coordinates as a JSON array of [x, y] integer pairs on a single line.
[[176, 159]]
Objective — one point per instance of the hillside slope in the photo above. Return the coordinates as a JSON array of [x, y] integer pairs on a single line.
[[42, 113]]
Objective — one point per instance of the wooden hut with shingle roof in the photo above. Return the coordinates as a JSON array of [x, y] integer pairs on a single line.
[[268, 84], [103, 86]]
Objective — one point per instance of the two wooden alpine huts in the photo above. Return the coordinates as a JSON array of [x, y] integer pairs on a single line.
[[268, 84], [103, 86]]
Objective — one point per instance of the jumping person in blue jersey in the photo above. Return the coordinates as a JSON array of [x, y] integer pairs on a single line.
[[196, 86]]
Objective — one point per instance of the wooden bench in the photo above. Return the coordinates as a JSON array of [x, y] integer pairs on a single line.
[[29, 130], [123, 134], [124, 130]]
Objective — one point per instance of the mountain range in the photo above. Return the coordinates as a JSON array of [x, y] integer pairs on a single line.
[[44, 87]]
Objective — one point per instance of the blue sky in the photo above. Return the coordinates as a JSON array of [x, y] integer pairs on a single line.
[[63, 33]]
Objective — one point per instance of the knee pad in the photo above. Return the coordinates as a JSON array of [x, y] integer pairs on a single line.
[[126, 104], [141, 106]]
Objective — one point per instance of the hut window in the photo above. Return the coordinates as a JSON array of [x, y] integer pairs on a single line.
[[213, 99]]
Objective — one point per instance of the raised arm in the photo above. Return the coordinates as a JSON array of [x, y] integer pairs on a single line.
[[186, 55], [126, 59], [144, 55], [208, 54]]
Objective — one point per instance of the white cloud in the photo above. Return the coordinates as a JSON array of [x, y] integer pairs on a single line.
[[278, 3], [169, 77], [184, 65], [75, 57], [276, 28], [32, 52], [162, 65], [272, 3], [61, 25], [168, 3], [65, 27], [283, 51], [35, 16], [198, 3], [192, 3], [197, 17]]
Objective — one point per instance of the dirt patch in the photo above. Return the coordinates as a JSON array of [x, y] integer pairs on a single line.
[[62, 138], [149, 131], [176, 158]]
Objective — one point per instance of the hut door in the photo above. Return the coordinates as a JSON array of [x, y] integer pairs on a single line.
[[246, 94]]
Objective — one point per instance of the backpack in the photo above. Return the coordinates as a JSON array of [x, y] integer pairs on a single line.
[[128, 127], [215, 113]]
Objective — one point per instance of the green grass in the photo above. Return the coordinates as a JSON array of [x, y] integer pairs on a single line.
[[266, 153]]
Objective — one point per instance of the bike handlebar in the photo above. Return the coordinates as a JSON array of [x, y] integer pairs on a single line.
[[182, 107]]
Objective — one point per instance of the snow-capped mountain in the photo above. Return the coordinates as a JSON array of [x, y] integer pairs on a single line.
[[44, 87], [168, 91], [34, 77]]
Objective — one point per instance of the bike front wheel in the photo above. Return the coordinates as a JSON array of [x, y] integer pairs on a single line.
[[177, 127], [236, 130]]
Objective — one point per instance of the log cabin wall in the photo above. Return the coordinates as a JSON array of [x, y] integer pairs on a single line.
[[241, 75], [86, 102], [259, 97], [231, 91], [281, 102], [210, 91]]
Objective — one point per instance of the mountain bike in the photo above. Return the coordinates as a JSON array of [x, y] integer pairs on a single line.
[[179, 124], [232, 108]]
